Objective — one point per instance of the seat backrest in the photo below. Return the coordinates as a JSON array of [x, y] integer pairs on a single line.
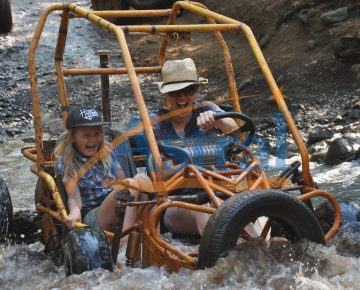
[[123, 154], [62, 191]]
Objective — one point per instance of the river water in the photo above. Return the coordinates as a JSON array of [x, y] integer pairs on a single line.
[[252, 266]]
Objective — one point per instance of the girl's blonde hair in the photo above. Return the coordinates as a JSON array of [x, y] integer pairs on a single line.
[[65, 148]]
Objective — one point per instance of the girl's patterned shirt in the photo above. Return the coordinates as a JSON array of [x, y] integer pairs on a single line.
[[92, 190]]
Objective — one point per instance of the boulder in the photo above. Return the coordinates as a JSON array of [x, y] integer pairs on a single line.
[[348, 240], [318, 136], [342, 150], [345, 39], [334, 16]]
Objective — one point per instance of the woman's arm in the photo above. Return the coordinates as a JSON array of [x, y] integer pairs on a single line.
[[74, 203], [206, 122]]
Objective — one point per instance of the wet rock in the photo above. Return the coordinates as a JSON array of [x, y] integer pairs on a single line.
[[338, 119], [353, 115], [30, 139], [318, 151], [350, 212], [345, 39], [325, 214], [334, 16], [264, 123], [321, 146], [350, 114], [307, 16], [319, 135], [341, 150], [14, 131], [318, 157], [348, 240], [356, 69], [291, 150], [244, 84], [265, 40], [357, 104], [26, 227], [311, 44]]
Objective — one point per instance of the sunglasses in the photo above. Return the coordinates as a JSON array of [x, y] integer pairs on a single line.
[[187, 92]]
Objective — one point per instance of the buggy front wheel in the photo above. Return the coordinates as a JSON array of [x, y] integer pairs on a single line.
[[86, 249], [231, 222]]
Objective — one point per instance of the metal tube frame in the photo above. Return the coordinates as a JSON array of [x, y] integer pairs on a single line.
[[210, 181]]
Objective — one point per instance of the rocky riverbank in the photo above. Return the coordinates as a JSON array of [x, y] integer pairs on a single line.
[[312, 47]]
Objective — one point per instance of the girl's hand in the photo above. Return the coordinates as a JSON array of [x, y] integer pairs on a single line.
[[73, 217], [206, 120]]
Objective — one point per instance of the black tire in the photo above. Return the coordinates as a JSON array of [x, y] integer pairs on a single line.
[[5, 16], [86, 249], [225, 226], [6, 213], [248, 125], [109, 5], [146, 4]]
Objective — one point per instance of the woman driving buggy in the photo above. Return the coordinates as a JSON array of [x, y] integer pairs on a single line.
[[188, 118], [179, 86]]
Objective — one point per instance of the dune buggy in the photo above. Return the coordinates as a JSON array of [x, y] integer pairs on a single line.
[[222, 170]]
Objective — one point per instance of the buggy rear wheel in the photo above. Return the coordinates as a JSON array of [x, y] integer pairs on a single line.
[[86, 249], [6, 213], [224, 228]]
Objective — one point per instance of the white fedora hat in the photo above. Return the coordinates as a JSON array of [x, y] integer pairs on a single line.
[[179, 74]]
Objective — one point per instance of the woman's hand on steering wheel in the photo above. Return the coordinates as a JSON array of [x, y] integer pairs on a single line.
[[206, 120], [248, 125]]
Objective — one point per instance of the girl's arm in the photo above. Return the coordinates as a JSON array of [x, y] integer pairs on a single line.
[[74, 203]]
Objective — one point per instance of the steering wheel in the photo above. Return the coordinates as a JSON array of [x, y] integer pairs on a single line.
[[248, 125], [177, 152]]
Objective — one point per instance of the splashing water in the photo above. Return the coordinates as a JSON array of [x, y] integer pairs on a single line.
[[254, 265]]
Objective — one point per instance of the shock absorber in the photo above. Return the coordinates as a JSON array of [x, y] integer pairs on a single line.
[[122, 198], [132, 249]]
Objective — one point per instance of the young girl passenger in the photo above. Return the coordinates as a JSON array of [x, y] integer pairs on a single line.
[[89, 200]]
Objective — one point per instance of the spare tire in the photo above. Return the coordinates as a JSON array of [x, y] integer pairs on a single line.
[[226, 225], [146, 4], [109, 5], [5, 16], [86, 249], [6, 213]]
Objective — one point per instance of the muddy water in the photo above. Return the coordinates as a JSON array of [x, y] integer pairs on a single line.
[[15, 170], [251, 266]]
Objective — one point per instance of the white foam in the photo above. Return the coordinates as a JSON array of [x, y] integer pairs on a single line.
[[346, 173]]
